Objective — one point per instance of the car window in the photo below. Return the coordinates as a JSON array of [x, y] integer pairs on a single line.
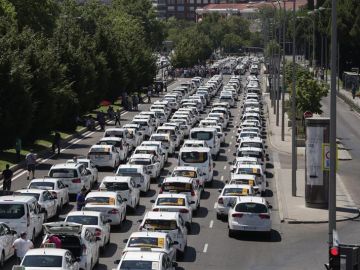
[[84, 220], [256, 208], [42, 261], [63, 173]]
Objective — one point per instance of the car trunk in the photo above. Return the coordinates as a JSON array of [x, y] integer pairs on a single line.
[[71, 243]]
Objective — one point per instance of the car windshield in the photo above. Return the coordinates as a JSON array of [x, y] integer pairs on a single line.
[[140, 161], [35, 195], [11, 211], [170, 201], [177, 187], [137, 265], [256, 208], [84, 220], [252, 171], [202, 135], [101, 200], [194, 157], [160, 224], [116, 186], [185, 173], [108, 142], [146, 242], [42, 261], [250, 154], [158, 138], [235, 192], [63, 173], [42, 185]]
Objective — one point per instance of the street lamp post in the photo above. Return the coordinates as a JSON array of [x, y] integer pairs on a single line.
[[283, 81], [293, 110]]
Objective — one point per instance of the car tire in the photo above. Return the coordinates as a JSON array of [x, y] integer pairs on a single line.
[[231, 233]]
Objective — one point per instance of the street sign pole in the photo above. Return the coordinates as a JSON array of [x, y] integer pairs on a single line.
[[332, 179], [293, 112]]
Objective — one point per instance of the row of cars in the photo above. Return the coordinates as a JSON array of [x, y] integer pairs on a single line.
[[85, 232], [242, 201]]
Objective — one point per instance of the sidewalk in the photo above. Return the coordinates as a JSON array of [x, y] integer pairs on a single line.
[[292, 209]]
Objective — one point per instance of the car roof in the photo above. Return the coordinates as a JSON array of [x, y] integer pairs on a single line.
[[243, 176], [247, 199], [136, 166], [203, 129], [29, 190], [115, 129], [16, 198], [237, 186], [194, 141], [116, 178], [250, 149], [110, 139], [135, 156], [161, 215], [102, 194], [66, 165], [185, 168], [195, 149], [178, 179], [45, 179], [142, 256], [172, 195], [46, 251], [148, 234], [85, 213], [101, 146]]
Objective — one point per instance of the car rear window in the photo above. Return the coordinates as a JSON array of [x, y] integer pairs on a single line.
[[63, 173], [249, 154], [170, 201], [115, 186], [194, 157], [42, 261], [140, 161], [202, 135], [84, 220], [160, 224], [101, 200], [256, 208], [177, 187], [252, 171], [185, 173], [11, 211], [35, 195], [137, 265], [251, 144], [235, 192], [42, 185]]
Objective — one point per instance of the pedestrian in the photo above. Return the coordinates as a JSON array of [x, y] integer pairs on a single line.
[[133, 102], [140, 98], [136, 102], [21, 246], [80, 199], [165, 86], [54, 239], [7, 176], [18, 149], [117, 117], [353, 91], [149, 95], [56, 143], [30, 160]]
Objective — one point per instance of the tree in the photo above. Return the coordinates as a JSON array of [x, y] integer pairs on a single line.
[[232, 43]]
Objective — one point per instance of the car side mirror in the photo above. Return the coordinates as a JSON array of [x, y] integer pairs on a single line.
[[98, 238], [270, 206], [125, 241], [124, 200], [116, 261], [139, 221], [192, 202], [108, 221], [159, 185], [138, 185], [67, 186], [175, 243], [152, 201], [219, 190], [12, 232], [226, 181]]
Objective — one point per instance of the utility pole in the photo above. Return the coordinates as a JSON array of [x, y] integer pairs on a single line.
[[278, 70], [332, 178], [293, 111], [283, 80]]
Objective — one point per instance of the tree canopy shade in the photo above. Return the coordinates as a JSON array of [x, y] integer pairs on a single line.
[[59, 59]]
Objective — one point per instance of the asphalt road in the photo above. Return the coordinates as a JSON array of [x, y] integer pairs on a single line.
[[290, 247]]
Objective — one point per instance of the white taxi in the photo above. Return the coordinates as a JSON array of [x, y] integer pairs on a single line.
[[248, 179], [49, 258], [93, 220], [249, 214], [166, 140], [125, 186], [55, 186], [151, 163], [151, 241], [174, 203], [228, 195], [111, 204], [104, 156], [121, 146], [253, 170], [45, 199], [152, 150], [7, 238], [89, 165], [160, 146], [190, 172], [138, 173], [168, 222], [146, 260]]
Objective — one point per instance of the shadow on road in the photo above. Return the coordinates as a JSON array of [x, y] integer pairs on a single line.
[[190, 255], [109, 250], [201, 212], [274, 236], [195, 228]]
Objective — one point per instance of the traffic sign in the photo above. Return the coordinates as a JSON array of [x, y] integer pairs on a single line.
[[308, 114]]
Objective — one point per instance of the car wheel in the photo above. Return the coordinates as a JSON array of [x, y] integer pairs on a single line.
[[231, 233], [219, 216], [2, 259]]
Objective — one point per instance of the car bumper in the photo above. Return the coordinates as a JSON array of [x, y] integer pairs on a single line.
[[249, 228], [222, 210]]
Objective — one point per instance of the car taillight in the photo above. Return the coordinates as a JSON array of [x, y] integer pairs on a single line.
[[156, 209], [192, 193], [113, 211], [184, 211], [83, 249], [264, 216], [238, 215], [97, 232], [220, 201], [76, 180]]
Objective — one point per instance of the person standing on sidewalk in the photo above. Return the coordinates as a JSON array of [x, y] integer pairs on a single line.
[[56, 143], [117, 117], [18, 149], [7, 176], [353, 91], [21, 246], [30, 160]]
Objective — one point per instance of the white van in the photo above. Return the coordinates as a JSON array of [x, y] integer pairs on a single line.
[[199, 157], [208, 134], [22, 214]]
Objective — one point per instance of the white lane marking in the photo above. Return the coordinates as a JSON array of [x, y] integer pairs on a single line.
[[222, 178], [205, 248], [230, 143], [211, 224], [214, 205], [232, 137], [224, 167]]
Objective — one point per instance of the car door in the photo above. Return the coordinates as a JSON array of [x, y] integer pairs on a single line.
[[50, 203], [85, 176], [62, 193], [122, 205], [4, 241], [135, 191]]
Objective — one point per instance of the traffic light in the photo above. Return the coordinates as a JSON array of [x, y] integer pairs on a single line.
[[334, 258]]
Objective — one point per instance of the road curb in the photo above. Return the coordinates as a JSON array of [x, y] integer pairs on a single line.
[[323, 221], [348, 101]]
